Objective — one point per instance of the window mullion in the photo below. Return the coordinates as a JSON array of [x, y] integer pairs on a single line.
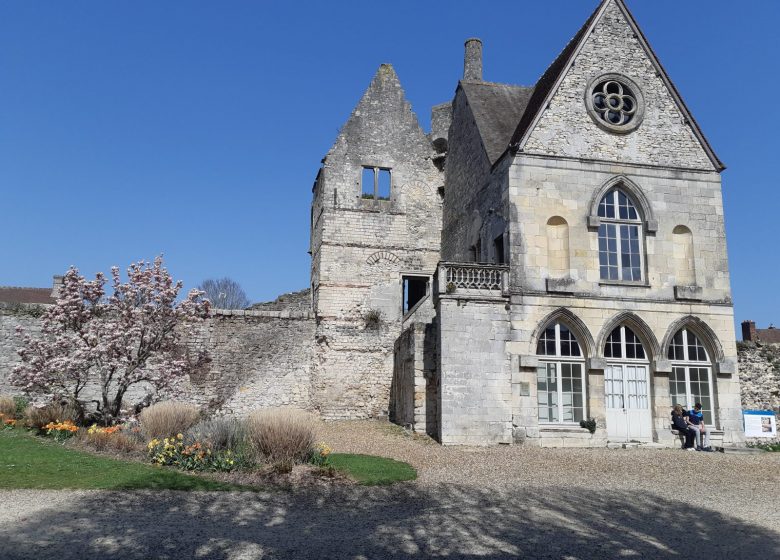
[[619, 243]]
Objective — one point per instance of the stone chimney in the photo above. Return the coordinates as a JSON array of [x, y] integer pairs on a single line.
[[56, 285], [749, 331], [472, 60]]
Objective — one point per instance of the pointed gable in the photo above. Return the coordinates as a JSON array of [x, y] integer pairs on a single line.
[[557, 122], [381, 117]]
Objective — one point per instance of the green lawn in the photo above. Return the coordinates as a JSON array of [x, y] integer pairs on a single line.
[[371, 470], [27, 461]]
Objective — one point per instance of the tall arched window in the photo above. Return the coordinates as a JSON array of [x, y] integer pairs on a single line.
[[560, 380], [691, 378], [626, 387], [620, 238]]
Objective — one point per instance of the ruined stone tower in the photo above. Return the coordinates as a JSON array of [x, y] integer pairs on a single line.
[[375, 223]]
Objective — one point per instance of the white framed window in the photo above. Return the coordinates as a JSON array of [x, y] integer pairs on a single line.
[[626, 383], [560, 380], [620, 238], [691, 378]]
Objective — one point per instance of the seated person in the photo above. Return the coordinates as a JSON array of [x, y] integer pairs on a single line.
[[680, 424], [696, 419]]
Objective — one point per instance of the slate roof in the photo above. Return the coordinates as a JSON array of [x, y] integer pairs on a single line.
[[496, 109], [9, 294]]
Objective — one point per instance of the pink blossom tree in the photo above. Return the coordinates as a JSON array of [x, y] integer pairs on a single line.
[[111, 343]]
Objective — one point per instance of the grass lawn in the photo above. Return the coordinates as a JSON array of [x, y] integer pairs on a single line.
[[27, 461], [371, 470]]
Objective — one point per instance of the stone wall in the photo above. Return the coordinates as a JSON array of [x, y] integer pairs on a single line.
[[468, 176], [474, 369], [10, 342], [414, 392], [257, 359], [759, 374]]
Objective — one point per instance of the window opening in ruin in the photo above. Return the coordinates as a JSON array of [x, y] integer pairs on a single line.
[[691, 378], [367, 182], [560, 379], [415, 289], [498, 244], [383, 184], [473, 253], [620, 238], [376, 183]]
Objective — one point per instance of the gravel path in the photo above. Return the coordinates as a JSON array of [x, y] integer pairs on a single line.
[[499, 502]]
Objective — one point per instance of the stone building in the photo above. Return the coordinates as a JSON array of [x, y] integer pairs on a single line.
[[546, 255], [767, 336]]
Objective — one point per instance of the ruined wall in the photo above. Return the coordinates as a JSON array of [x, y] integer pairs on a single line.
[[257, 359], [10, 341], [759, 374], [361, 248], [414, 392]]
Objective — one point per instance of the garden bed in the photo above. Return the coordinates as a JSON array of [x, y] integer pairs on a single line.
[[29, 461]]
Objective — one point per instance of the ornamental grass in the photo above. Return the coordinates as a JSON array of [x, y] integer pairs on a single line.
[[7, 406], [168, 418], [38, 417], [282, 436]]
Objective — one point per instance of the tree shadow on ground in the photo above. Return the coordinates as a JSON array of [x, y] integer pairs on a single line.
[[394, 522]]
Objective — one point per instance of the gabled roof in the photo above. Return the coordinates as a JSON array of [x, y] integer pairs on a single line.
[[548, 83], [11, 294], [496, 109]]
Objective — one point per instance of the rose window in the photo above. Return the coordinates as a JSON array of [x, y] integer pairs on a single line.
[[615, 103]]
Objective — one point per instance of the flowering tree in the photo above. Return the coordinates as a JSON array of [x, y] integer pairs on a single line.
[[111, 343]]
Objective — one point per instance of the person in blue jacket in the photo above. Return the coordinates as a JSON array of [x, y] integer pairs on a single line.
[[701, 431], [680, 423]]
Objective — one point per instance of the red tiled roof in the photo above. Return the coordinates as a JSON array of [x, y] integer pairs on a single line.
[[10, 294], [768, 335]]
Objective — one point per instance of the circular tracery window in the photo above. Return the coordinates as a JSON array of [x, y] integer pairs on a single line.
[[615, 103]]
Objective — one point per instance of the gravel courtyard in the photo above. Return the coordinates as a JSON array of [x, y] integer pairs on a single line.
[[500, 502]]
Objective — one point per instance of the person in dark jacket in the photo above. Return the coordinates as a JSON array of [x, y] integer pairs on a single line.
[[679, 423]]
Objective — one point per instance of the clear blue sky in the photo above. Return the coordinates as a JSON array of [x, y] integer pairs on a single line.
[[195, 129]]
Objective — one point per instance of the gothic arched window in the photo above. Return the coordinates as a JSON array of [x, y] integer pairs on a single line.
[[560, 380], [691, 378], [620, 238]]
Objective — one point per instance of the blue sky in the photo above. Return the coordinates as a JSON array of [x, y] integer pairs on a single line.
[[195, 129]]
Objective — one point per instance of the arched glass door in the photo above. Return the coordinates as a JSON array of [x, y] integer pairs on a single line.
[[627, 387]]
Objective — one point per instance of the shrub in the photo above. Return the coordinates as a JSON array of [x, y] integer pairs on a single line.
[[7, 407], [282, 436], [373, 319], [52, 413], [21, 405], [220, 434], [589, 424], [168, 418]]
